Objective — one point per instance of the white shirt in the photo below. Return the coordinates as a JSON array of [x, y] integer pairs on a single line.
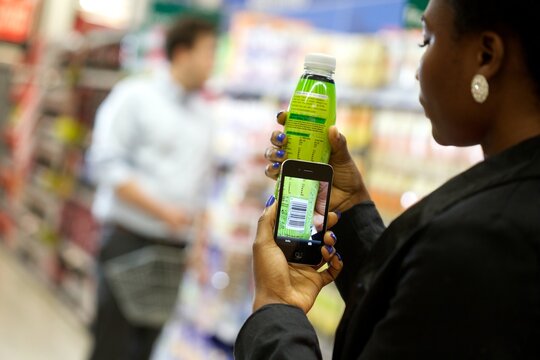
[[151, 131]]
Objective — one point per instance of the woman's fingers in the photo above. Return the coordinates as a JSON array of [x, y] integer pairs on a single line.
[[331, 257], [281, 117], [275, 154], [272, 170], [267, 221], [332, 219], [330, 238], [278, 139], [328, 250], [335, 265]]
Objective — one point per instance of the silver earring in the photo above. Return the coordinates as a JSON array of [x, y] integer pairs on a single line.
[[480, 88]]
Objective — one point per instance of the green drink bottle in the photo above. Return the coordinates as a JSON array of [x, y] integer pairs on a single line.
[[312, 110]]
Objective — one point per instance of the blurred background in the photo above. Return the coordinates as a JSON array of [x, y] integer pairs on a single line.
[[59, 60]]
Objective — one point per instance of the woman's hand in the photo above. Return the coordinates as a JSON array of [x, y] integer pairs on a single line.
[[348, 187], [277, 281]]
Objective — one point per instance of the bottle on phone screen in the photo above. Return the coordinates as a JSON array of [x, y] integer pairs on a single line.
[[304, 196]]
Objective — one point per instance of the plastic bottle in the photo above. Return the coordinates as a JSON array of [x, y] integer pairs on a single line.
[[312, 110]]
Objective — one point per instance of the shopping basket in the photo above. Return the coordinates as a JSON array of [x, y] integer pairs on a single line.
[[145, 283]]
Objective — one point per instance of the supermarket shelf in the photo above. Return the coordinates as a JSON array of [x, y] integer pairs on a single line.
[[386, 98], [54, 233], [35, 256], [38, 256], [63, 266], [100, 79], [83, 198], [390, 98]]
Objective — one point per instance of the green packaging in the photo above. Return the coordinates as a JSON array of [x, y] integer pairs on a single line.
[[312, 110], [297, 220]]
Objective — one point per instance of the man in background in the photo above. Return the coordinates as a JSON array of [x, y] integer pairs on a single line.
[[151, 158]]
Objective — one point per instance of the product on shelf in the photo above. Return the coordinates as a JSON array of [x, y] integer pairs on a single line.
[[406, 163], [268, 48]]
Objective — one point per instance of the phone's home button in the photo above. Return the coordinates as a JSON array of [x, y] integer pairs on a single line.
[[298, 254]]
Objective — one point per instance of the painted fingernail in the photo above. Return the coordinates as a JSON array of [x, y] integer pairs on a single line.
[[339, 257], [338, 213], [280, 137], [270, 201], [333, 237], [279, 113], [329, 248], [280, 153], [275, 165]]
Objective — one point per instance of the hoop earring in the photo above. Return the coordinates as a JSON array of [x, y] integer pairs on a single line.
[[480, 88]]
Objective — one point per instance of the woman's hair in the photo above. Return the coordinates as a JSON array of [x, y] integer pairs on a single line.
[[184, 33], [519, 19]]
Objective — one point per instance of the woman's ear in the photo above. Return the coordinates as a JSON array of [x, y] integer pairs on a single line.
[[491, 54]]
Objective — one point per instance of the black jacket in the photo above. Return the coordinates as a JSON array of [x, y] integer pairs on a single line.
[[457, 276]]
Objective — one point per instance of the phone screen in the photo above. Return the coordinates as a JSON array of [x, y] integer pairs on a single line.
[[302, 211]]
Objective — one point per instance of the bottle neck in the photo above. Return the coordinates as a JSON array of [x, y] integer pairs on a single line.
[[320, 72]]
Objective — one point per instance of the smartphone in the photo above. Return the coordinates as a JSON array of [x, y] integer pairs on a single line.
[[303, 199]]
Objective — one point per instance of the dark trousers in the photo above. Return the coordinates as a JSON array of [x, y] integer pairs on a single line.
[[115, 338]]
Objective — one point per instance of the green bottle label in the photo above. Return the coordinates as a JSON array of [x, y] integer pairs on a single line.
[[312, 111]]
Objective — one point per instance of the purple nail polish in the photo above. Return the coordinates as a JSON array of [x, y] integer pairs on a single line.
[[280, 137], [270, 201], [339, 257], [338, 213], [276, 165], [333, 237], [280, 153], [329, 248]]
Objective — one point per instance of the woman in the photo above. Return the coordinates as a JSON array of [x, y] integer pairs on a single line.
[[457, 276]]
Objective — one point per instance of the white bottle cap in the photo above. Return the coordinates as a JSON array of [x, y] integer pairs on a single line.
[[320, 61]]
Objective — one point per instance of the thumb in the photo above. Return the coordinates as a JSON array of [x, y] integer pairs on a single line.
[[338, 142], [267, 222]]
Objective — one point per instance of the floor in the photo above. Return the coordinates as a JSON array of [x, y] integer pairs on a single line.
[[34, 324]]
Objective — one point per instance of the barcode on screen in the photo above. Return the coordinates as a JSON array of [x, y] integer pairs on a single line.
[[296, 218]]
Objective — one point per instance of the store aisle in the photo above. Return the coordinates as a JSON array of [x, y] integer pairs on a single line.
[[33, 323]]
